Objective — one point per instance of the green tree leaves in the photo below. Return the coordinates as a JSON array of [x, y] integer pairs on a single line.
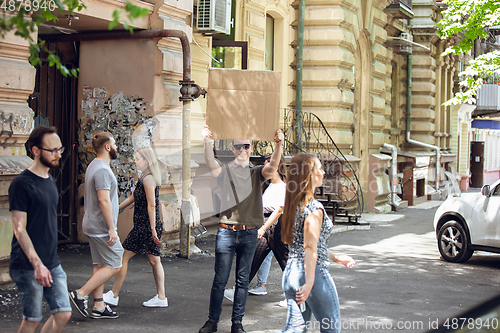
[[470, 19], [23, 17], [133, 11]]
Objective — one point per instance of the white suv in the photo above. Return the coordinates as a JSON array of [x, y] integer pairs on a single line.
[[469, 222]]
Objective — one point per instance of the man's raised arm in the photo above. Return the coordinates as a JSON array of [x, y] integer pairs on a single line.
[[269, 168], [212, 164]]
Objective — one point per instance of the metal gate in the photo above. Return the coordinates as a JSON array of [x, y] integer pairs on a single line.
[[54, 102]]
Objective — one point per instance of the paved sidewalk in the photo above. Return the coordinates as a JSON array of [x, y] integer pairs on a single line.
[[399, 276], [427, 205], [188, 283]]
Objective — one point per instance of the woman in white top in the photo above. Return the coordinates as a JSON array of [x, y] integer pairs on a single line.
[[269, 235]]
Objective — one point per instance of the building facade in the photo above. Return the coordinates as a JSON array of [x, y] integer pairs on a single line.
[[372, 72]]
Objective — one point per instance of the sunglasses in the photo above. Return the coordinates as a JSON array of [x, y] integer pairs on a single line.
[[238, 147]]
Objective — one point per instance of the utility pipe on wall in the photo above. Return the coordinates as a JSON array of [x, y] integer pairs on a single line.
[[189, 92], [298, 91], [394, 172]]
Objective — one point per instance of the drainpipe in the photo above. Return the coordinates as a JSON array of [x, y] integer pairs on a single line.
[[189, 92], [408, 124], [394, 173], [300, 48]]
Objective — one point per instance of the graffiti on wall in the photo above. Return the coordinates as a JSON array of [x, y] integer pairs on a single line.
[[123, 116]]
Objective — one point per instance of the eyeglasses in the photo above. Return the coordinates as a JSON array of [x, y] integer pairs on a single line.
[[54, 152], [238, 147]]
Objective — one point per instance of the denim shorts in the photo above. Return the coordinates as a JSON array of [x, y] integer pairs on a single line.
[[31, 293]]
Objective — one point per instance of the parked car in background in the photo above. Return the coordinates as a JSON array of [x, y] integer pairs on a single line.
[[469, 222]]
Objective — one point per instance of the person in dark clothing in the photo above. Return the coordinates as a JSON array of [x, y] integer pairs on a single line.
[[144, 238], [34, 264]]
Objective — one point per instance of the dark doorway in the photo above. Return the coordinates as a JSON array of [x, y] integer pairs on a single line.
[[54, 102], [476, 163]]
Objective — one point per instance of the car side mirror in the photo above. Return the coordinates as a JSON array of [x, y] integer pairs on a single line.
[[486, 190]]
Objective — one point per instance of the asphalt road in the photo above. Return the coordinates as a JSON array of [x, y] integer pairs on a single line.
[[398, 284]]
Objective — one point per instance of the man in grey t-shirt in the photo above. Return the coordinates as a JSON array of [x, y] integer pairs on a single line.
[[100, 177], [99, 224]]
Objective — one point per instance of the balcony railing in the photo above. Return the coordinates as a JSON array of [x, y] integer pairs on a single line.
[[401, 9], [341, 185], [407, 3], [488, 99]]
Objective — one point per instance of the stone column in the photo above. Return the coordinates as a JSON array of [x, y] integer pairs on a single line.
[[451, 83], [444, 114], [17, 81], [424, 103], [330, 36]]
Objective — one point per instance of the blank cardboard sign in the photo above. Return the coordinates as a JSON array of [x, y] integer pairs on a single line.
[[243, 104]]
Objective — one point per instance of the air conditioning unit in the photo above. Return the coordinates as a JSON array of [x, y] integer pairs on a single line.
[[406, 47], [214, 16]]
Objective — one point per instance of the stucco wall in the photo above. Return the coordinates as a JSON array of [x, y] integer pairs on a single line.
[[17, 80], [6, 233]]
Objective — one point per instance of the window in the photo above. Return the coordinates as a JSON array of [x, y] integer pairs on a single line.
[[229, 54], [496, 191], [269, 43]]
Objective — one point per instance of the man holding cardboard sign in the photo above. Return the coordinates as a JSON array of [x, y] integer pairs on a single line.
[[241, 215]]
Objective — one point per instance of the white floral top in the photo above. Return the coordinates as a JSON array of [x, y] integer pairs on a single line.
[[296, 249]]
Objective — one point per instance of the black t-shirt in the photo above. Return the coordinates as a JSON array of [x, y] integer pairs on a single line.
[[247, 185], [38, 197]]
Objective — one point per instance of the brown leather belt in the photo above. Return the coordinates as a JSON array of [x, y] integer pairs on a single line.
[[236, 227]]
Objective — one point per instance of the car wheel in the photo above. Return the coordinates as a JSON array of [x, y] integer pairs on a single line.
[[453, 242]]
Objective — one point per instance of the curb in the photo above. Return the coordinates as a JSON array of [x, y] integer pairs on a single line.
[[343, 228]]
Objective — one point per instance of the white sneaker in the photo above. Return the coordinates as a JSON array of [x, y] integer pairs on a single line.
[[155, 302], [109, 298], [283, 303], [229, 294]]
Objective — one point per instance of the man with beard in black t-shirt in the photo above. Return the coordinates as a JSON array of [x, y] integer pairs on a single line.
[[34, 264]]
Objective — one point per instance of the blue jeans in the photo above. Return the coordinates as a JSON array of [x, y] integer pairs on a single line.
[[31, 293], [323, 300], [227, 244], [263, 272]]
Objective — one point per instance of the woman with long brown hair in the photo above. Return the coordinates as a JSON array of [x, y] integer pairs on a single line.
[[308, 285]]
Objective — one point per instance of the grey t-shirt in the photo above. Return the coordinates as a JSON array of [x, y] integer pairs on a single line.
[[98, 177]]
